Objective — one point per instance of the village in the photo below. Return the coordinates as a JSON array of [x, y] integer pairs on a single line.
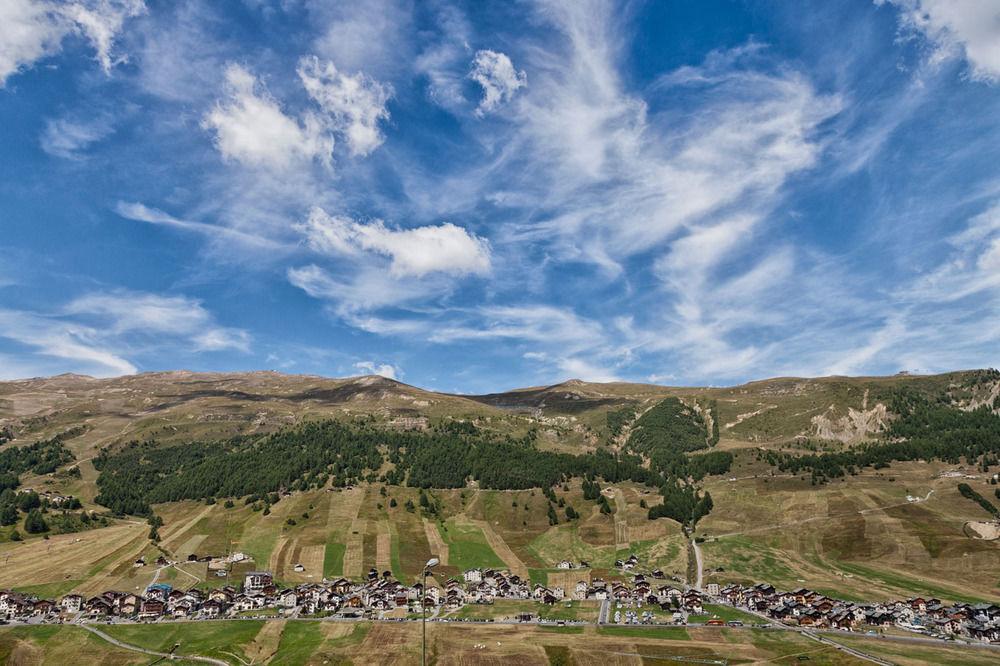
[[633, 598]]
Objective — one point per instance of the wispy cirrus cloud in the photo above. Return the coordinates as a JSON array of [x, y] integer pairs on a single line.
[[34, 29], [69, 138], [102, 333]]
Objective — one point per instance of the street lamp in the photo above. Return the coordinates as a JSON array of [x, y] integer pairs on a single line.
[[431, 563]]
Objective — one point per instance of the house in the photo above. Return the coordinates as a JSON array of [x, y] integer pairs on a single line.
[[71, 603], [151, 608], [473, 576], [565, 564], [256, 581], [42, 607]]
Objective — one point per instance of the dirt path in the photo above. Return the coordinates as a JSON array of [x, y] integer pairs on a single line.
[[502, 550], [439, 548]]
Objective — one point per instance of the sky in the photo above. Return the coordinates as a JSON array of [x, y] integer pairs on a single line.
[[475, 196]]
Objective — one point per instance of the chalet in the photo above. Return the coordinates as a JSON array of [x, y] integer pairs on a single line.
[[97, 606], [151, 608], [565, 564], [42, 607], [256, 581], [71, 603], [473, 576], [212, 608]]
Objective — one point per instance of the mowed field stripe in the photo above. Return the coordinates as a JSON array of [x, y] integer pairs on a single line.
[[502, 550], [437, 545], [70, 556], [621, 520], [341, 520], [383, 547]]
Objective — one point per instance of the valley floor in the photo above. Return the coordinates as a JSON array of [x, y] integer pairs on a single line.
[[294, 642]]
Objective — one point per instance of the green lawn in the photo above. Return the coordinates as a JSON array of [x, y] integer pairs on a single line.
[[663, 633], [49, 590], [299, 640], [210, 639], [467, 547], [333, 560], [725, 613]]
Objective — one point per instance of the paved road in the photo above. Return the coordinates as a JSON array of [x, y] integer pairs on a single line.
[[135, 648]]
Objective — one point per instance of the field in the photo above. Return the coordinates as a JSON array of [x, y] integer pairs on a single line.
[[316, 642], [776, 529], [859, 538]]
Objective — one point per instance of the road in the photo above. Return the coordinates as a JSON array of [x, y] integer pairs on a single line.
[[602, 617], [699, 564], [135, 648]]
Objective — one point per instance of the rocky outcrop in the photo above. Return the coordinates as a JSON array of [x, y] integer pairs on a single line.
[[852, 427]]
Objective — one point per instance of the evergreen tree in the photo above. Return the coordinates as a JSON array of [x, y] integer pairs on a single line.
[[35, 523]]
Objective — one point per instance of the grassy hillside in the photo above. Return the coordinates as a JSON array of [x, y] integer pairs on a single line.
[[855, 535]]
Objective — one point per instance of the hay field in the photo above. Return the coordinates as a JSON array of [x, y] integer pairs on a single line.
[[858, 538], [316, 642]]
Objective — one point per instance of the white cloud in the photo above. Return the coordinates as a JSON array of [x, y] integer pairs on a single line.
[[963, 28], [417, 252], [386, 370], [83, 347], [125, 312], [499, 79], [374, 35], [68, 138], [972, 266], [251, 128], [355, 104], [142, 213], [34, 29], [609, 179], [546, 324], [444, 61]]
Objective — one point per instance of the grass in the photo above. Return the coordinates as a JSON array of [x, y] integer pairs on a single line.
[[911, 585], [467, 547], [333, 560], [661, 633], [210, 639], [728, 613], [61, 645], [49, 590], [299, 640]]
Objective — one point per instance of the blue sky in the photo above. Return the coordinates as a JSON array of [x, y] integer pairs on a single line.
[[476, 196]]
